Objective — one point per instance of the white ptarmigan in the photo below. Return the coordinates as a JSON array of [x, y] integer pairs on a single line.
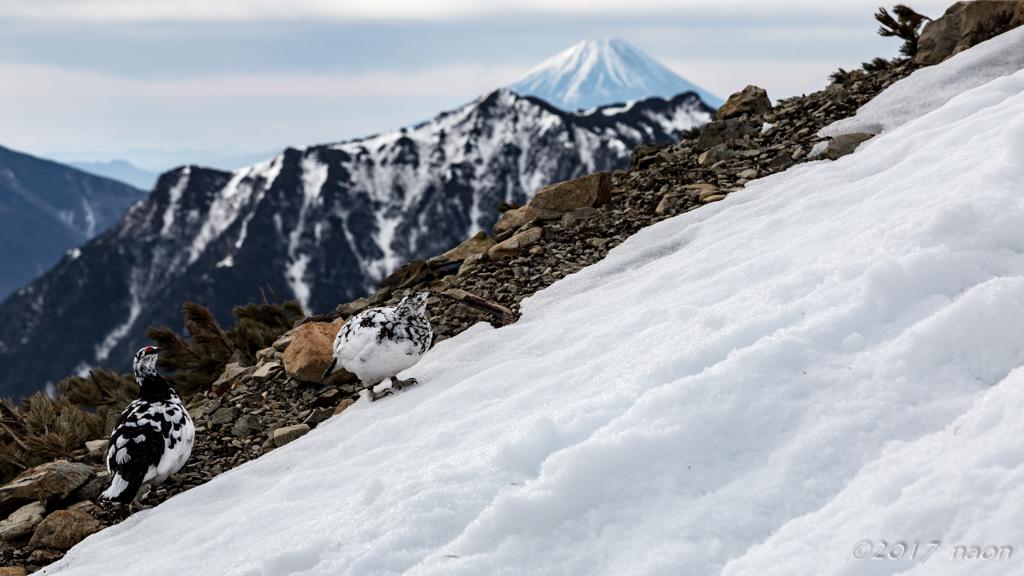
[[153, 437], [379, 343]]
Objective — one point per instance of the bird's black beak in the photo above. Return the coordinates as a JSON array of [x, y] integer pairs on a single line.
[[156, 350]]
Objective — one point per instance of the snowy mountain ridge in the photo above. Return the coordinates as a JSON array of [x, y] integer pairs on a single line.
[[596, 73], [321, 224], [828, 357]]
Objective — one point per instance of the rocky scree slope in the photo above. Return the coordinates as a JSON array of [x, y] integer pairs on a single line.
[[320, 224], [47, 209], [252, 410]]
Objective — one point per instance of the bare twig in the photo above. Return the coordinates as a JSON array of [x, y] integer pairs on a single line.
[[507, 317]]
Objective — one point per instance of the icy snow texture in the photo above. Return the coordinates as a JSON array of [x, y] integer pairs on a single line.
[[595, 73], [832, 354]]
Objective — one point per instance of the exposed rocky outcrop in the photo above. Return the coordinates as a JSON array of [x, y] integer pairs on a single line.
[[966, 24]]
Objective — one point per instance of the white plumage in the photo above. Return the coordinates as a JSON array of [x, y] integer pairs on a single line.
[[378, 344]]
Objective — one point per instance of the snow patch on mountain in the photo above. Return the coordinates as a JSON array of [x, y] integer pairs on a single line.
[[596, 73]]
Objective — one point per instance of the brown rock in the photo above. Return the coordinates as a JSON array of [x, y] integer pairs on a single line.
[[408, 275], [287, 434], [513, 245], [751, 100], [344, 404], [712, 198], [44, 556], [966, 24], [520, 217], [13, 571], [476, 245], [311, 352], [46, 483], [22, 522], [593, 190], [705, 192], [844, 144], [63, 529]]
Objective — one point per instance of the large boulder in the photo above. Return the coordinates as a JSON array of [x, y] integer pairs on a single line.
[[966, 24], [752, 101], [592, 190], [22, 522], [476, 245], [311, 352], [550, 202], [46, 483], [63, 529]]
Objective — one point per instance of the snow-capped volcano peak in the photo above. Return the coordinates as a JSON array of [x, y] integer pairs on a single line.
[[599, 72]]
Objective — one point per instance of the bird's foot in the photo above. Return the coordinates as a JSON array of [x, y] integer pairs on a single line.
[[374, 396], [399, 384]]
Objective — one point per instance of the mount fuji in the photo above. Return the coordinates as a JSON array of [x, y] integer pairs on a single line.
[[600, 72]]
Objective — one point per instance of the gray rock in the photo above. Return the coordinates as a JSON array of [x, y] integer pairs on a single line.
[[844, 144], [579, 214], [92, 489], [223, 415], [246, 425], [46, 483], [22, 522], [724, 131]]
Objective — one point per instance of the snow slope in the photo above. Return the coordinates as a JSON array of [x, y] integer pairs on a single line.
[[831, 355], [601, 72]]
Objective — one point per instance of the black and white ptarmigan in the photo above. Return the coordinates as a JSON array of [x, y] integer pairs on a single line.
[[379, 343], [153, 437]]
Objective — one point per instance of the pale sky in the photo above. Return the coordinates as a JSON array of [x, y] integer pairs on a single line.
[[161, 82]]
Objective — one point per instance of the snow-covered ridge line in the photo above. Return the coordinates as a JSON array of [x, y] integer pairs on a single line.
[[218, 238]]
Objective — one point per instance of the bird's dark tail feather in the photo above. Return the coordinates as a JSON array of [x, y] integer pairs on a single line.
[[124, 486], [334, 362]]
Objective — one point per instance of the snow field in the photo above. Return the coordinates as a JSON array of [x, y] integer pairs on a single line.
[[830, 355]]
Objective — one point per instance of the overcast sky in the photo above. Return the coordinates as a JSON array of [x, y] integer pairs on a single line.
[[162, 82]]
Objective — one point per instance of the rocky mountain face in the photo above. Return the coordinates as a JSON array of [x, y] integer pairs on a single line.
[[601, 72], [47, 209], [320, 224]]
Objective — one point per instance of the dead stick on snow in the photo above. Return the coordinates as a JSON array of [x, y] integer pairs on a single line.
[[507, 317]]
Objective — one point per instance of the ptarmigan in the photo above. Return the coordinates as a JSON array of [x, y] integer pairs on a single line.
[[153, 437], [379, 343]]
